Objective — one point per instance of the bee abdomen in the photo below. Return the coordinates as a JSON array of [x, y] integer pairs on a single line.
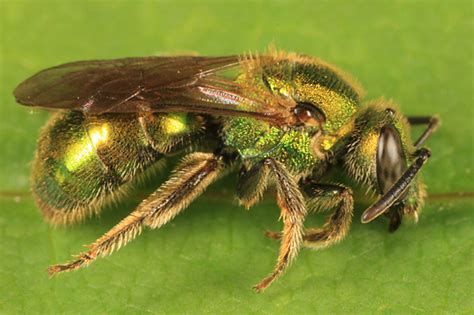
[[81, 163]]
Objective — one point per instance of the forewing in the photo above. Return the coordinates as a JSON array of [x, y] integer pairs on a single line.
[[158, 84]]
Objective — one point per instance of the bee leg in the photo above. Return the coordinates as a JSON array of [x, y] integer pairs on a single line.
[[431, 121], [322, 197], [251, 184], [395, 217], [293, 211], [188, 181]]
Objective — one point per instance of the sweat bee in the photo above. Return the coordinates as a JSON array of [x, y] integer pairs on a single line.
[[279, 119]]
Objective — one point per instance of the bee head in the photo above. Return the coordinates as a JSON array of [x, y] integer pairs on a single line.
[[381, 155]]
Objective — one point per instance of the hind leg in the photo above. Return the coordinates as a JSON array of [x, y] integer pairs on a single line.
[[188, 181]]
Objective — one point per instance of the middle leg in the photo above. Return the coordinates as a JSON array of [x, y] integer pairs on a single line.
[[292, 206], [322, 197]]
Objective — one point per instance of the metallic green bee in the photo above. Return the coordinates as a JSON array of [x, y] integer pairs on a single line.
[[280, 119]]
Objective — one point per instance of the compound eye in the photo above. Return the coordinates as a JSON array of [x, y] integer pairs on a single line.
[[308, 114]]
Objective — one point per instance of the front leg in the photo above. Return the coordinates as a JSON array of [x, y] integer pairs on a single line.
[[432, 123], [292, 206], [323, 197]]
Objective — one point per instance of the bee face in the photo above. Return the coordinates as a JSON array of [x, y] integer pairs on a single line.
[[382, 147]]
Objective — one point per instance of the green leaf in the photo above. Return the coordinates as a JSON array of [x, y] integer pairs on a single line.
[[417, 52]]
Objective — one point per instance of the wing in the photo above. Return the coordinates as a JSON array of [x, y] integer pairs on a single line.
[[157, 84]]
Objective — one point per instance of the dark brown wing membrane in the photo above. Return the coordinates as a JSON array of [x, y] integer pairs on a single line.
[[158, 84]]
